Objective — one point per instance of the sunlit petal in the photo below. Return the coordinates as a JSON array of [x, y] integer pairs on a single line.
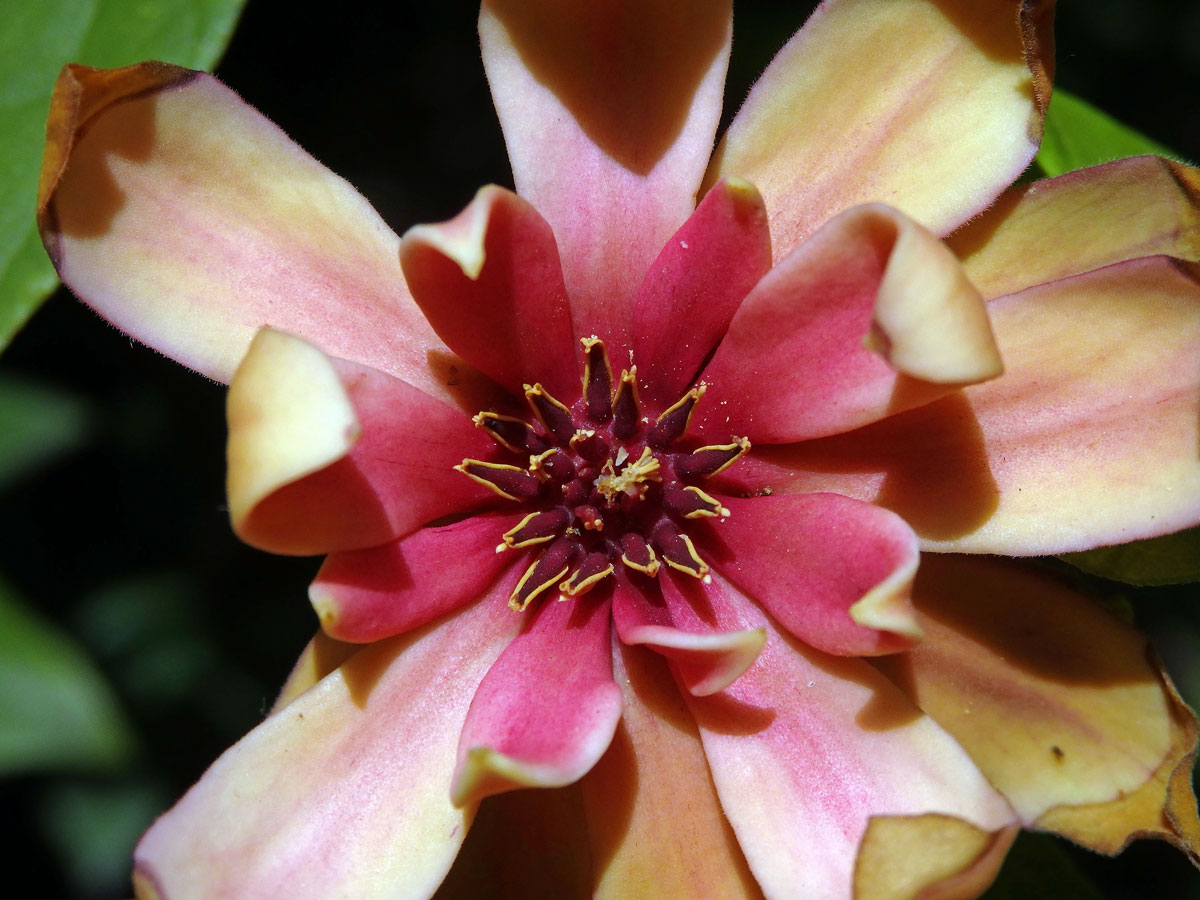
[[156, 211], [1097, 723], [695, 286], [374, 593], [312, 803], [933, 108], [491, 285], [548, 707]]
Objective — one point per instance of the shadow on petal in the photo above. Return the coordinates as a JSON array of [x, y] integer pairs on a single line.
[[627, 75], [127, 131], [724, 714], [929, 465], [338, 505]]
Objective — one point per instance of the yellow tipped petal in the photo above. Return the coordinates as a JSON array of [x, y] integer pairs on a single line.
[[289, 416], [930, 322]]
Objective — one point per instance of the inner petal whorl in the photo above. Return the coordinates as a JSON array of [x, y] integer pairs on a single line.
[[604, 485]]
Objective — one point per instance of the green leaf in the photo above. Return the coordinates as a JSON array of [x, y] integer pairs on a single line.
[[37, 425], [36, 40], [56, 709], [1170, 559], [1079, 135]]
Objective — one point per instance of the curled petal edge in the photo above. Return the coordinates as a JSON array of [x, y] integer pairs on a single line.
[[289, 416], [929, 322], [704, 663]]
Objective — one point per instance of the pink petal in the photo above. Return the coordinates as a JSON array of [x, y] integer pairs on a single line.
[[345, 791], [328, 455], [367, 595], [1093, 217], [933, 108], [806, 748], [548, 707], [662, 615], [696, 285], [157, 210], [609, 111], [603, 837], [1090, 437], [490, 283], [835, 572], [794, 366]]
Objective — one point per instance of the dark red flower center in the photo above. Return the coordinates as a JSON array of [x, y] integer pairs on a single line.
[[604, 485]]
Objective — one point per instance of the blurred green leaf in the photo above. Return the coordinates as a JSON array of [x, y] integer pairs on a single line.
[[1079, 135], [37, 425], [1039, 865], [56, 710], [36, 40], [94, 827], [1170, 559]]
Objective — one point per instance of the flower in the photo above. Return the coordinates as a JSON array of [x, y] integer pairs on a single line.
[[186, 218]]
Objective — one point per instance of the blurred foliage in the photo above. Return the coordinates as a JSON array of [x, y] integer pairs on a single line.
[[38, 424], [56, 710], [37, 39], [111, 457]]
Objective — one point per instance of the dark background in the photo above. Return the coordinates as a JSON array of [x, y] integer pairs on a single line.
[[125, 541]]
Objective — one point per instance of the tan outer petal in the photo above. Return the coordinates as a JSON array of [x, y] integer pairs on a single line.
[[1051, 695], [189, 220], [928, 857], [656, 825], [1084, 220], [1143, 812], [344, 793], [931, 107]]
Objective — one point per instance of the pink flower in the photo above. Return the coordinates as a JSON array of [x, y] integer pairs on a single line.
[[815, 398]]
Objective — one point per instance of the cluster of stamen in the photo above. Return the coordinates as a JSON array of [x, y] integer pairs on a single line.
[[615, 489]]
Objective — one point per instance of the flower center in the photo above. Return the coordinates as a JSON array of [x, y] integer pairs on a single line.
[[604, 485]]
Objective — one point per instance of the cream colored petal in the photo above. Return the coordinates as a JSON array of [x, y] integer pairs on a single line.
[[289, 416], [930, 322]]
